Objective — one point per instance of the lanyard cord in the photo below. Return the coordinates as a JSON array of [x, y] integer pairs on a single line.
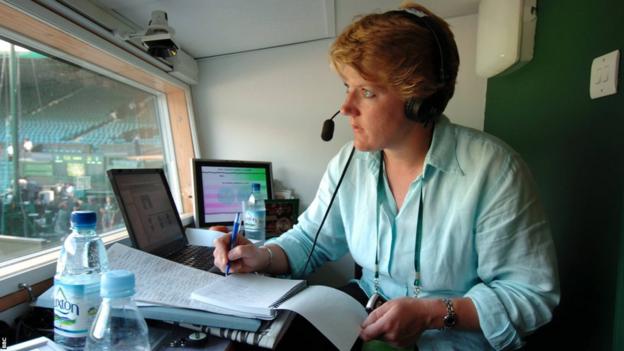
[[380, 185], [417, 286]]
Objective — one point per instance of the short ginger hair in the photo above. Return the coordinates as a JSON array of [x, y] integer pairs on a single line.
[[394, 49]]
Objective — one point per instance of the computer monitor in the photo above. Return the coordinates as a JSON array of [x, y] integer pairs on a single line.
[[220, 187]]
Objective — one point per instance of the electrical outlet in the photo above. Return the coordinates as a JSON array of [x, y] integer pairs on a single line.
[[604, 75]]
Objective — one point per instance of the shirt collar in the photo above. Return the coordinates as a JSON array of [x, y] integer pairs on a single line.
[[443, 151], [374, 163], [441, 155]]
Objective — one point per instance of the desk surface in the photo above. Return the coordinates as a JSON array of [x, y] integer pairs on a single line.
[[166, 337]]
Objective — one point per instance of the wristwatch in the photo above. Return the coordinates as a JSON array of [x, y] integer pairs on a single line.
[[450, 319]]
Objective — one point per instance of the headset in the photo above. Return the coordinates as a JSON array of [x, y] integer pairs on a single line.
[[426, 110], [422, 111]]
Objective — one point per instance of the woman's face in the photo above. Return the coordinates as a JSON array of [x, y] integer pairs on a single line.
[[375, 112]]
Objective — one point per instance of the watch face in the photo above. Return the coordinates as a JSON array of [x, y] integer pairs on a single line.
[[450, 320]]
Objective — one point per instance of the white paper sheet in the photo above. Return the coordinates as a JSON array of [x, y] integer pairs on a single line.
[[335, 314], [159, 280], [236, 290], [163, 282]]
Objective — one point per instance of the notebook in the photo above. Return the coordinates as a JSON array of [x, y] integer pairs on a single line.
[[151, 217], [268, 294]]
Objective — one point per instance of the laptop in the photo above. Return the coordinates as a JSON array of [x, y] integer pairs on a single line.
[[152, 219]]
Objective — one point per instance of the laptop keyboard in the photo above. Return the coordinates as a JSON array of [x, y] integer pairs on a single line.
[[200, 257]]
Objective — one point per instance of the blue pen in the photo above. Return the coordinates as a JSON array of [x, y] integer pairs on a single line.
[[233, 239]]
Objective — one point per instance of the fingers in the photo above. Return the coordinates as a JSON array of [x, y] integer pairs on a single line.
[[222, 246], [247, 251], [242, 258], [378, 313], [222, 242], [242, 240], [239, 266], [223, 254], [399, 322], [373, 325]]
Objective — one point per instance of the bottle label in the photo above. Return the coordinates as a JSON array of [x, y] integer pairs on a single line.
[[75, 307], [254, 220]]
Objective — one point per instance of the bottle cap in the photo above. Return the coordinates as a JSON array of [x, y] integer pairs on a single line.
[[117, 283], [82, 219], [255, 186]]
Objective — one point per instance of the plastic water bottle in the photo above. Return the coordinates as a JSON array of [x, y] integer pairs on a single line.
[[79, 268], [119, 325], [255, 215]]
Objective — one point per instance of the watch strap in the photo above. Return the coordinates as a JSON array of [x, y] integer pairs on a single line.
[[450, 319]]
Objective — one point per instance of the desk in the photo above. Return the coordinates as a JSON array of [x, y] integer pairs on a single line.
[[165, 337]]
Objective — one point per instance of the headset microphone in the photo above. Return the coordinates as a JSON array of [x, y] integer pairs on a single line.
[[327, 134], [328, 128]]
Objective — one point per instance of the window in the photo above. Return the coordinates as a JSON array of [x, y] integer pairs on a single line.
[[61, 127], [62, 44]]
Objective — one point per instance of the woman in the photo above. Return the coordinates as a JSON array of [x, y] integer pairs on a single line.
[[444, 220]]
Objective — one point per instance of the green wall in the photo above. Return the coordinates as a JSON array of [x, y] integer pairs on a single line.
[[574, 147], [618, 327]]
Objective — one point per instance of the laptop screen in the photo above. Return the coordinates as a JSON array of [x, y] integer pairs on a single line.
[[148, 209]]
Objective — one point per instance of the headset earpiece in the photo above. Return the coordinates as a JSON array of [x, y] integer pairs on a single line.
[[428, 109], [423, 111], [434, 105], [412, 108]]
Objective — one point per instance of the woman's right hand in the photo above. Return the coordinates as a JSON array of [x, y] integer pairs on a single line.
[[245, 257]]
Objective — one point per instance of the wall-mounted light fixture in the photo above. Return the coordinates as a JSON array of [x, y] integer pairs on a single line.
[[505, 35]]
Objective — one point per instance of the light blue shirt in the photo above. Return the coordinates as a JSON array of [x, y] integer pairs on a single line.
[[484, 235]]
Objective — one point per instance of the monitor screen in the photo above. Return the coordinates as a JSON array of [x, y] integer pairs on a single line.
[[222, 185]]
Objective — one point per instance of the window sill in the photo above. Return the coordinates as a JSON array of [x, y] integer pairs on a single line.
[[37, 260], [32, 269]]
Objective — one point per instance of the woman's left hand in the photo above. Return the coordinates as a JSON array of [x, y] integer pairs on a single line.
[[400, 322]]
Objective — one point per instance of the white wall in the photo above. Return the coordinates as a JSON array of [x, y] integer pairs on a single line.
[[467, 107], [270, 105]]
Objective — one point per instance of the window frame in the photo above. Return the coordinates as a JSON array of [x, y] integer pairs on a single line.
[[34, 26]]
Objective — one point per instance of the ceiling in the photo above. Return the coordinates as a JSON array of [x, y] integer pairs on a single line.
[[205, 28]]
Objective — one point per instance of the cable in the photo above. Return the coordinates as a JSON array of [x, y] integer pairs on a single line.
[[318, 231]]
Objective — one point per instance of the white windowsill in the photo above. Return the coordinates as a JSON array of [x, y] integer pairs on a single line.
[[40, 259]]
